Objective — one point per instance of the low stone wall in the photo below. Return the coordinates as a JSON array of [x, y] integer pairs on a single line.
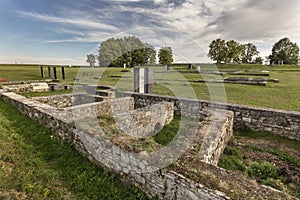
[[26, 86], [106, 93], [162, 183], [280, 122], [217, 131], [67, 100], [109, 107], [26, 82], [147, 121], [18, 88], [57, 87]]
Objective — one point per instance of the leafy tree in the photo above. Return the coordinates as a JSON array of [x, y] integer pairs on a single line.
[[231, 51], [133, 51], [130, 50], [217, 50], [285, 52], [165, 56], [249, 50], [110, 52], [151, 54], [234, 51], [258, 60], [91, 59]]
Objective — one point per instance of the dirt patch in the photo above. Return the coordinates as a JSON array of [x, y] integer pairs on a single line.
[[3, 80]]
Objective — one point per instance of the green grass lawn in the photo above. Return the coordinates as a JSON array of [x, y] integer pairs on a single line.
[[283, 95], [35, 164]]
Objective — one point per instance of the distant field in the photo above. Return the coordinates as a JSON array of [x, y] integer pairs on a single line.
[[282, 95]]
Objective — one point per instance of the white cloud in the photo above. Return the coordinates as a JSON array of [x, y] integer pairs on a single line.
[[42, 60], [159, 1], [199, 21], [79, 22]]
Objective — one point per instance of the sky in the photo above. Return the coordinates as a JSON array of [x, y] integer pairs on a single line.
[[65, 31]]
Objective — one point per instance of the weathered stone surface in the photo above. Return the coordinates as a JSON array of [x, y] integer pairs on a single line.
[[161, 182], [97, 148], [145, 122], [39, 87], [216, 133], [283, 123], [68, 100]]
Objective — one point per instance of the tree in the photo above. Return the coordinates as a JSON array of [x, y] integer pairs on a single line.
[[91, 59], [234, 51], [258, 60], [165, 56], [217, 50], [284, 52], [249, 50], [110, 52], [130, 50], [151, 54]]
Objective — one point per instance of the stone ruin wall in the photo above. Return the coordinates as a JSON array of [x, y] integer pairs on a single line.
[[217, 131], [147, 121], [162, 183], [25, 86], [280, 122], [68, 100]]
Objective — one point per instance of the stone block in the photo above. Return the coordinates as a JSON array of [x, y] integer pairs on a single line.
[[39, 87]]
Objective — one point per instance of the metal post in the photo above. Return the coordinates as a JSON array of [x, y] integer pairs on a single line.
[[42, 71], [49, 71], [54, 71], [63, 73]]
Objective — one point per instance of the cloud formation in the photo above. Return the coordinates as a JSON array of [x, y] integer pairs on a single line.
[[178, 23]]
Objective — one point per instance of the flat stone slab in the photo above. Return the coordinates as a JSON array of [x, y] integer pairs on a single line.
[[39, 87]]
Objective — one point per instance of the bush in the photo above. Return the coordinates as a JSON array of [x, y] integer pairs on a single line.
[[232, 163], [274, 183], [262, 171], [232, 159], [297, 194]]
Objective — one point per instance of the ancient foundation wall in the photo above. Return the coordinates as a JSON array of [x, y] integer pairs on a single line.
[[68, 100], [280, 122], [26, 86], [145, 122], [162, 183]]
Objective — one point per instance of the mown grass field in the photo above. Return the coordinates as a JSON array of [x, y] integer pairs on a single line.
[[283, 95], [35, 164]]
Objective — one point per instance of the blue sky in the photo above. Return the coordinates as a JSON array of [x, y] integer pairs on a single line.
[[65, 31]]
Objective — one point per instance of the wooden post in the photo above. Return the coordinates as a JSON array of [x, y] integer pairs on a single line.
[[54, 71], [42, 71], [63, 73], [49, 71]]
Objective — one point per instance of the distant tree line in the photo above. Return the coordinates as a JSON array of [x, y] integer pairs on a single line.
[[231, 51], [283, 52], [129, 51]]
